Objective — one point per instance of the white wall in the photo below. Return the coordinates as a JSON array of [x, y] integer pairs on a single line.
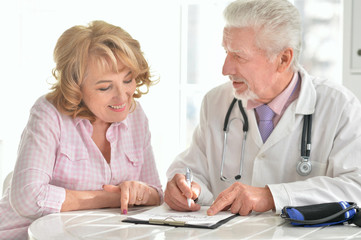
[[351, 45]]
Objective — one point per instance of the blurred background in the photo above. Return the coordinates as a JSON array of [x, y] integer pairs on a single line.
[[181, 40]]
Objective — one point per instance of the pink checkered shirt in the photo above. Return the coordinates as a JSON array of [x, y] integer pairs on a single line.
[[57, 152]]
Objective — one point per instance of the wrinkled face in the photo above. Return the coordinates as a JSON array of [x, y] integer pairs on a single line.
[[254, 76], [107, 94]]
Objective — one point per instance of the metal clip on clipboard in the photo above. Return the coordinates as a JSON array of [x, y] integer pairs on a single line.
[[167, 221]]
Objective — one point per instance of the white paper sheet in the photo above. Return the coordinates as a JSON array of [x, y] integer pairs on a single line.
[[164, 213]]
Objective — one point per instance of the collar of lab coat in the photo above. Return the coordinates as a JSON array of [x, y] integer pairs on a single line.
[[291, 119], [306, 101]]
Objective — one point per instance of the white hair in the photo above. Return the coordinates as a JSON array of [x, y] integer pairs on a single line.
[[277, 24]]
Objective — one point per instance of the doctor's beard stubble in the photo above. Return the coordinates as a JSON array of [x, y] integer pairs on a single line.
[[247, 94]]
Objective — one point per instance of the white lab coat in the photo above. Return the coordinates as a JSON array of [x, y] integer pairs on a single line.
[[335, 154]]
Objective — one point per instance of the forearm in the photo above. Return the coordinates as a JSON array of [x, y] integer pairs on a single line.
[[317, 190], [80, 200]]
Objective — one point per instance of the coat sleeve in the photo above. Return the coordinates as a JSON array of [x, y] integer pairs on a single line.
[[195, 157], [342, 179]]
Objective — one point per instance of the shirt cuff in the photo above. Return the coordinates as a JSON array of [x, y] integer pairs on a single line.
[[53, 200], [160, 193], [205, 197], [280, 196]]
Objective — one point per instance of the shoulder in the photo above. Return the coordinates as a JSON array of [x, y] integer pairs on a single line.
[[218, 98], [44, 111], [331, 99], [220, 91], [333, 92], [43, 103], [44, 108], [328, 92]]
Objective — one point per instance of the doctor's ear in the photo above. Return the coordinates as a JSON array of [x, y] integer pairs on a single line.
[[284, 59]]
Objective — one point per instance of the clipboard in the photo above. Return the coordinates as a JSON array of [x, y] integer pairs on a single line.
[[163, 215]]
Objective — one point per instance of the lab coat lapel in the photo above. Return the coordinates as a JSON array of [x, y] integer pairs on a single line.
[[287, 124], [253, 126], [293, 116]]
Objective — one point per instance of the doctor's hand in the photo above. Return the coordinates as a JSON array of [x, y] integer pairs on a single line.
[[134, 193], [243, 199], [177, 192]]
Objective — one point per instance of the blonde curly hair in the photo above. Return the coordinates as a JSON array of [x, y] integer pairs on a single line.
[[103, 43]]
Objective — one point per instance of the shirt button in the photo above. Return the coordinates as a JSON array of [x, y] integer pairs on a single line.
[[41, 203]]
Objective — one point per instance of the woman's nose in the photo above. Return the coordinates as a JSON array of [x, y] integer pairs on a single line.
[[119, 92]]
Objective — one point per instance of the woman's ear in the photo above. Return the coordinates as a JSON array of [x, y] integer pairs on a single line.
[[285, 59]]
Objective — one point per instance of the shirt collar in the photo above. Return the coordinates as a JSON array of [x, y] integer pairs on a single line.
[[124, 123], [77, 120]]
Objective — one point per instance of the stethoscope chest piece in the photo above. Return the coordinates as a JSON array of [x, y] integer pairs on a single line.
[[304, 167]]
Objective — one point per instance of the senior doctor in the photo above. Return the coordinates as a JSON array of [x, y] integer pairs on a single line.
[[262, 40]]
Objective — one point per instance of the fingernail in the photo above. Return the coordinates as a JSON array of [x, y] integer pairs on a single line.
[[209, 212], [125, 211]]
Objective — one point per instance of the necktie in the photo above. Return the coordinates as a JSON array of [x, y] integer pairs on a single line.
[[265, 115]]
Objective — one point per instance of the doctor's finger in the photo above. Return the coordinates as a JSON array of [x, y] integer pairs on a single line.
[[196, 190], [176, 200], [236, 205], [174, 205], [222, 202], [173, 196], [245, 209], [183, 185], [172, 201], [177, 205]]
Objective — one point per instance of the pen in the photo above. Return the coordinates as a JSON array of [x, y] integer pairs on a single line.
[[189, 183]]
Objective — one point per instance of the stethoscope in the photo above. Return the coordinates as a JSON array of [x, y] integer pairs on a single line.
[[304, 167]]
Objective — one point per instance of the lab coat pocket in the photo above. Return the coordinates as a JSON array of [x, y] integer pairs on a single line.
[[318, 168]]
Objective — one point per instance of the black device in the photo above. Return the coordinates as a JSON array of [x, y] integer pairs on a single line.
[[323, 214]]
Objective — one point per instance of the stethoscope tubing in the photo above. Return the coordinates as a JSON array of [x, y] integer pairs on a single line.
[[306, 136], [305, 140]]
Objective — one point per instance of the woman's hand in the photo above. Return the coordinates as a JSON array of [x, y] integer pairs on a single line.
[[134, 193]]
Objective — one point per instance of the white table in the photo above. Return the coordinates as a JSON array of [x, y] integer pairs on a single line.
[[107, 224]]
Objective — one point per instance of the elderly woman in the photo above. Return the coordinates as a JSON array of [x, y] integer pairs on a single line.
[[87, 144]]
